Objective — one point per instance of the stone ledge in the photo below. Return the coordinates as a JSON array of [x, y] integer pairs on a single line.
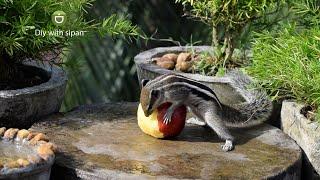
[[303, 131], [104, 141]]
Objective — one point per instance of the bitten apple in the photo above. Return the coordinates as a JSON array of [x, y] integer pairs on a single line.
[[154, 126]]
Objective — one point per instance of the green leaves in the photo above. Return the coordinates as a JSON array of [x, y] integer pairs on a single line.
[[115, 26], [308, 11], [231, 13], [20, 19], [287, 63], [230, 21]]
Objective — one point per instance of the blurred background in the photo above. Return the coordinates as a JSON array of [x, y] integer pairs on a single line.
[[102, 69]]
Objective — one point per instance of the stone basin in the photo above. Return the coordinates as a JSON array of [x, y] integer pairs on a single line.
[[25, 155], [104, 141]]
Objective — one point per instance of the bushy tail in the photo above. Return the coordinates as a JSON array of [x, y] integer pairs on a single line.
[[256, 110]]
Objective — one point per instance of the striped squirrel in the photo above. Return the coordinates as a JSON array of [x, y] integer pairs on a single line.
[[205, 105]]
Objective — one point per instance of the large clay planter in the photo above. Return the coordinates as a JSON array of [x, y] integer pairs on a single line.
[[225, 87], [305, 132], [22, 107]]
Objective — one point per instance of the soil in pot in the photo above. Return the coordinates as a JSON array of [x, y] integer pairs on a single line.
[[308, 112], [26, 76]]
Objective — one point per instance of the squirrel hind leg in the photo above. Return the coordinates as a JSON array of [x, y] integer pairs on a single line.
[[216, 124]]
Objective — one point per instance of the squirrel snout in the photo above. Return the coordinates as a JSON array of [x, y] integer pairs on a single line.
[[147, 113]]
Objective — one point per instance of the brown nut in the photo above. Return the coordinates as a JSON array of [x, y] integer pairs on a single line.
[[39, 137], [23, 162], [166, 63], [45, 152], [184, 66], [1, 165], [2, 130], [22, 134], [10, 133], [171, 56], [184, 57], [184, 62]]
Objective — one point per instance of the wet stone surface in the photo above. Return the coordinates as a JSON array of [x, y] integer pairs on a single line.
[[103, 141]]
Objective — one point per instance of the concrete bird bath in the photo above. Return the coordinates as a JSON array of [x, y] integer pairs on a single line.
[[104, 142], [25, 155]]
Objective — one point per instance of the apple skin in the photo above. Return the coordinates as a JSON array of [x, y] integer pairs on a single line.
[[154, 126], [177, 123]]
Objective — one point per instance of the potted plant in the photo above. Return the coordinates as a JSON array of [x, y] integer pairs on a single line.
[[230, 22], [287, 65], [34, 35]]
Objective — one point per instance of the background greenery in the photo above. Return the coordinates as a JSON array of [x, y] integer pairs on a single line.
[[102, 69], [287, 64], [286, 61], [20, 19]]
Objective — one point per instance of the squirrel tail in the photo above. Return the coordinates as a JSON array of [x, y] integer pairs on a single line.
[[255, 111]]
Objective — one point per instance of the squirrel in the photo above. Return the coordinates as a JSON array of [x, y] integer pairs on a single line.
[[204, 103]]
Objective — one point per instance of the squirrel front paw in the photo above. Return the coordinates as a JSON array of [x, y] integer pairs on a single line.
[[167, 117], [228, 146]]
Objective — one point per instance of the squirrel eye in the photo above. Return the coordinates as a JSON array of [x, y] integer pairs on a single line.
[[155, 94]]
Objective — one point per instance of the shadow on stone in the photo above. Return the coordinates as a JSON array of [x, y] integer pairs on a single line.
[[193, 133]]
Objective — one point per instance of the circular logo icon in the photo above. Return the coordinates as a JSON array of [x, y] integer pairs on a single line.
[[59, 18]]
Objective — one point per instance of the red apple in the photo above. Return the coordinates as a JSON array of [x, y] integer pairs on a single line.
[[154, 125], [177, 123]]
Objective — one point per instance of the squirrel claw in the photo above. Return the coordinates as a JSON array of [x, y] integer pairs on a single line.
[[167, 118], [228, 146]]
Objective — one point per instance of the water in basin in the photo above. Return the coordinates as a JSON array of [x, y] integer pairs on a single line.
[[10, 151]]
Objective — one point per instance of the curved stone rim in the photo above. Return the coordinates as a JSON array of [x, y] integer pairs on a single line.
[[35, 141], [57, 75], [144, 60]]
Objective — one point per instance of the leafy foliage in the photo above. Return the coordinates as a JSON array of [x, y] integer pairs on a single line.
[[307, 13], [287, 61], [288, 65], [20, 19], [107, 71], [210, 65], [229, 20]]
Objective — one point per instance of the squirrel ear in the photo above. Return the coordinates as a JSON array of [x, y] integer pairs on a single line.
[[144, 82]]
